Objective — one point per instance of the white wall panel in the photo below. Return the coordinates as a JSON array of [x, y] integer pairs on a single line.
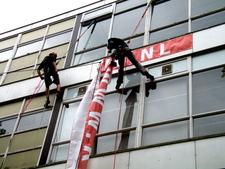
[[210, 153], [122, 161], [209, 38], [27, 87], [174, 156]]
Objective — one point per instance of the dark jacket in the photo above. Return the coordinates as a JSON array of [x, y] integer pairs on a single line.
[[47, 64]]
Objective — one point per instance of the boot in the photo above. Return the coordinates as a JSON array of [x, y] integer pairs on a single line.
[[148, 76], [46, 103]]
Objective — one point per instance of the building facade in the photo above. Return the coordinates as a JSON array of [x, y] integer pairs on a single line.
[[180, 124]]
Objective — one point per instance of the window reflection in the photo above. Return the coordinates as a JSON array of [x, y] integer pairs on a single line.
[[34, 120], [107, 143], [203, 6], [27, 49], [209, 125], [66, 122], [7, 126], [129, 4], [208, 91], [111, 111], [89, 56], [5, 55], [165, 133], [169, 12], [123, 27], [208, 21], [169, 101], [168, 33], [98, 31], [57, 40]]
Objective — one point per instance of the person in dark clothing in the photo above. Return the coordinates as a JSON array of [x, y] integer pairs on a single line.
[[119, 50], [49, 67]]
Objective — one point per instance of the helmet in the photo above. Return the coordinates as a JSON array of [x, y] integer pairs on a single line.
[[53, 54]]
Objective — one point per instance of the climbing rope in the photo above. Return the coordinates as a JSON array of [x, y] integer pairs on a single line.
[[41, 82], [17, 122], [148, 5]]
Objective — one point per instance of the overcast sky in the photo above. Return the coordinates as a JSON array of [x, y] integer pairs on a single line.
[[17, 13]]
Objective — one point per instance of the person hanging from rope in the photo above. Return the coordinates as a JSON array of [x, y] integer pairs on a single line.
[[119, 50], [49, 67]]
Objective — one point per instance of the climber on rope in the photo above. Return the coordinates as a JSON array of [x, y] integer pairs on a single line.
[[118, 49], [49, 67]]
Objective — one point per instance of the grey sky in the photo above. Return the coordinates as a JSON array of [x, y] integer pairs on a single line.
[[17, 13]]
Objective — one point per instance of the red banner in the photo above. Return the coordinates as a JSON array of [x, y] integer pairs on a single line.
[[94, 114], [162, 49]]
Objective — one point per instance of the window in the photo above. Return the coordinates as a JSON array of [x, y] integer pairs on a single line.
[[89, 56], [66, 122], [98, 31], [63, 133], [57, 40], [165, 133], [5, 55], [203, 6], [168, 33], [208, 91], [169, 101], [27, 49], [117, 116], [123, 28], [34, 120], [209, 125], [129, 4], [169, 12], [7, 126], [207, 21]]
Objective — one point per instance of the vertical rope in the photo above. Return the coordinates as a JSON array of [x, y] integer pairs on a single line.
[[17, 122]]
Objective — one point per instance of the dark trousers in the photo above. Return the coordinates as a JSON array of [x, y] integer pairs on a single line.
[[121, 57]]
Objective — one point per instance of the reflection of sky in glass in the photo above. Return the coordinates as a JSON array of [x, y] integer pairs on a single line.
[[34, 121], [8, 126]]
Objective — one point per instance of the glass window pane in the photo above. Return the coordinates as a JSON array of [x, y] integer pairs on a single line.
[[98, 13], [89, 56], [129, 80], [107, 143], [208, 21], [208, 91], [7, 126], [176, 67], [169, 12], [129, 4], [27, 49], [168, 101], [57, 40], [73, 92], [66, 122], [34, 120], [168, 33], [208, 60], [96, 35], [111, 111], [202, 6], [5, 55], [123, 28], [209, 125], [165, 133], [136, 42], [59, 153]]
